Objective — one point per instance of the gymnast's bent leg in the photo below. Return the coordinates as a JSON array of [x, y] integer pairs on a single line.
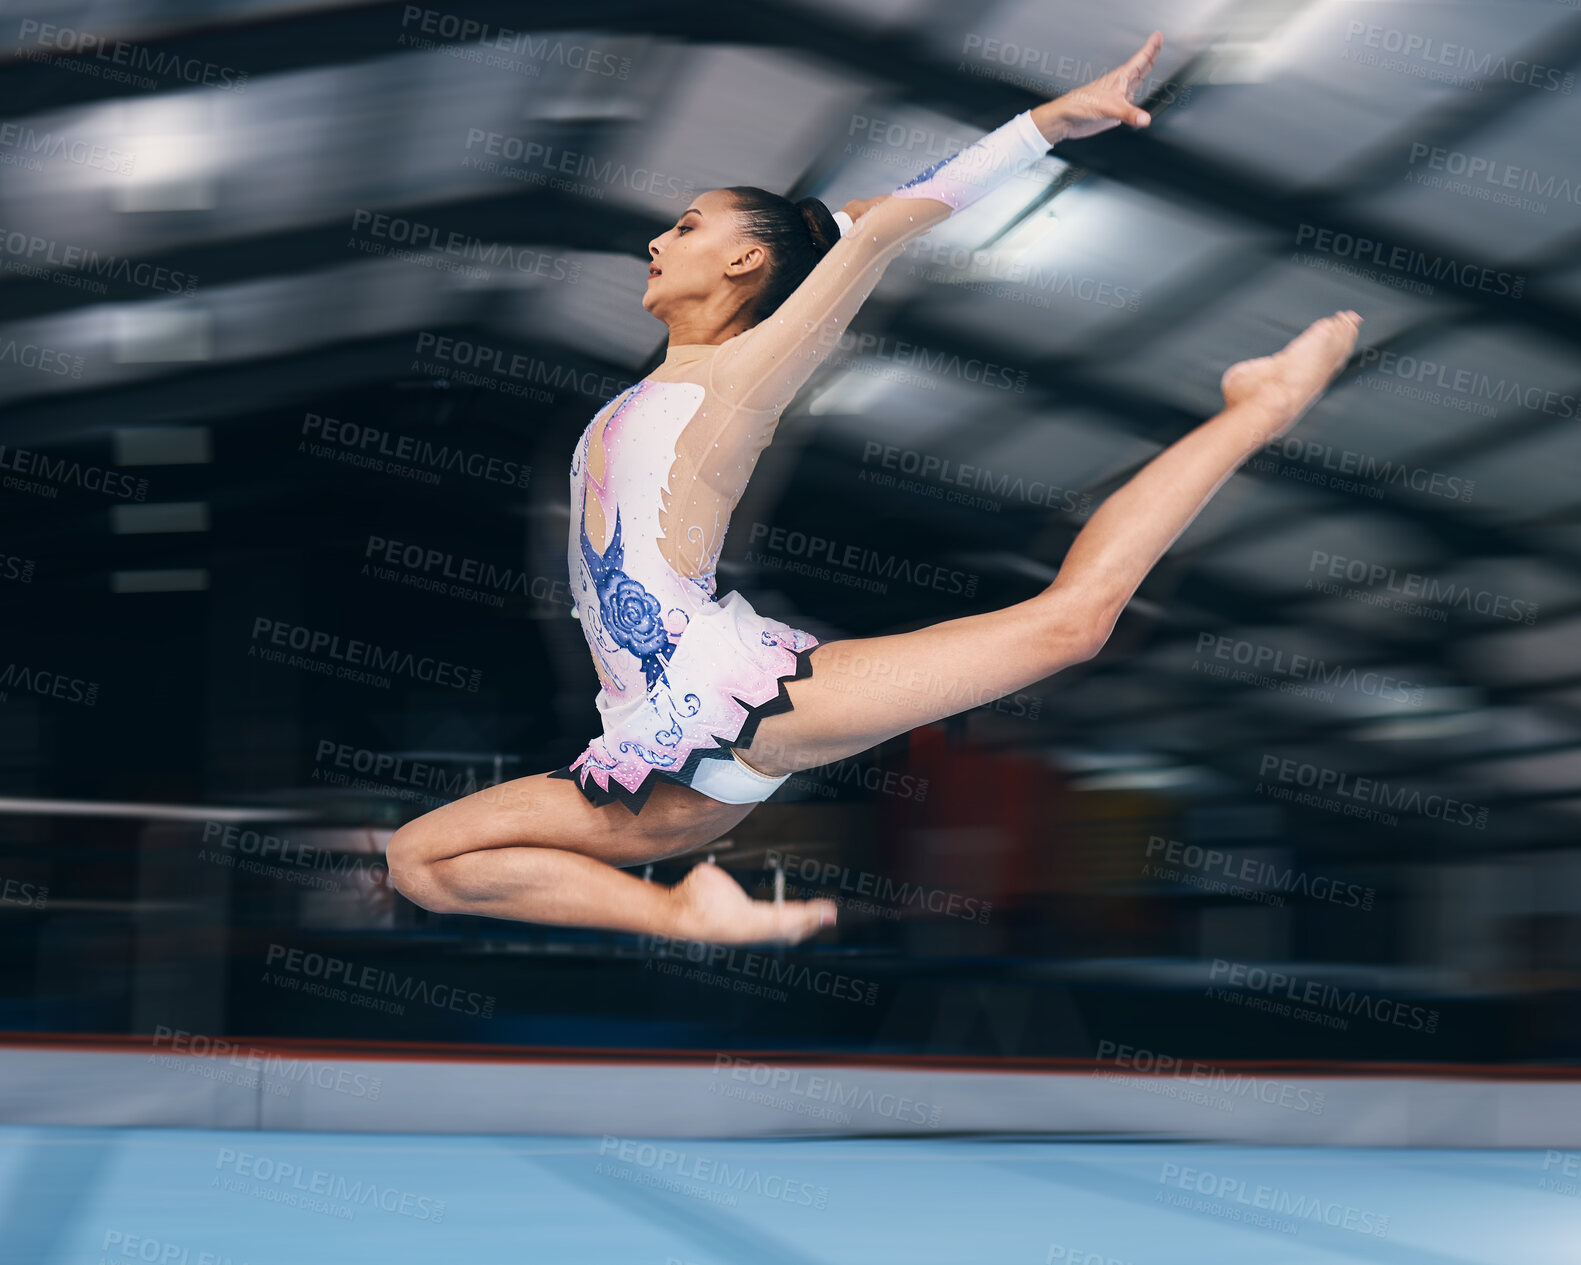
[[534, 850], [867, 690]]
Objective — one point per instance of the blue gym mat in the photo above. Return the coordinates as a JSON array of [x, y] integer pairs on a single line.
[[75, 1196]]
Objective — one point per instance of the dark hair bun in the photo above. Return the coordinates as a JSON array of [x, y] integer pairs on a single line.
[[820, 222], [796, 234]]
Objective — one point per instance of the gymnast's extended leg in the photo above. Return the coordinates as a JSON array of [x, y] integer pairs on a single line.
[[864, 691], [534, 849]]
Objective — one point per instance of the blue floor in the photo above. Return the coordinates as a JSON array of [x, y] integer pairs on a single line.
[[191, 1197]]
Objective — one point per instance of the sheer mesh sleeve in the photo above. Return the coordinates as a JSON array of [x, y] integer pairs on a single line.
[[763, 368]]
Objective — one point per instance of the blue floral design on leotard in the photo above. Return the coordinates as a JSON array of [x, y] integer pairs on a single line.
[[926, 173], [629, 612]]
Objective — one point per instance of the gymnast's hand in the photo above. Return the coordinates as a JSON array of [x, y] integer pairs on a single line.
[[856, 210], [712, 906], [1106, 102]]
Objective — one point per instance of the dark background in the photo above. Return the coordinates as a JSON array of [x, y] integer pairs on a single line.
[[171, 488]]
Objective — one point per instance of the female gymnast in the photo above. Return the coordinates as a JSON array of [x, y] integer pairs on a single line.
[[707, 706]]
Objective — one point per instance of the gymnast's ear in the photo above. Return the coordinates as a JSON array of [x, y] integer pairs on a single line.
[[748, 257]]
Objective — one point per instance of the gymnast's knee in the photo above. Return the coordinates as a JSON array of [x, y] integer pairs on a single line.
[[413, 872]]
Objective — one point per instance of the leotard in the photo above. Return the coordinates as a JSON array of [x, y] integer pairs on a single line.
[[659, 469]]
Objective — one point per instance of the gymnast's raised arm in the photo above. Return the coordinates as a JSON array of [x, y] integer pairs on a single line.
[[764, 367]]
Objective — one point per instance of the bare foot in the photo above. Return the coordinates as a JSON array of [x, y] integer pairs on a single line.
[[1290, 381], [712, 906]]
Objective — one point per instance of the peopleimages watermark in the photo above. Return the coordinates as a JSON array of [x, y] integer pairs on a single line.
[[1426, 57], [361, 768], [1346, 470], [65, 471], [1260, 985], [320, 974], [421, 782], [1270, 1206], [318, 1190], [400, 236], [673, 1168], [480, 364], [1417, 594], [20, 892], [877, 893], [408, 456], [247, 1066], [1033, 67], [1488, 179], [1401, 266], [121, 61], [352, 441], [1010, 278], [1344, 792], [152, 1251], [899, 143], [867, 347], [1064, 1254], [371, 661], [555, 167], [807, 1093], [826, 780], [44, 683], [1560, 1173], [853, 565], [1262, 877], [929, 470], [1463, 390], [524, 49], [1253, 663], [1203, 1084], [19, 569], [278, 856], [25, 146], [859, 672], [748, 971], [50, 360], [29, 255], [440, 571]]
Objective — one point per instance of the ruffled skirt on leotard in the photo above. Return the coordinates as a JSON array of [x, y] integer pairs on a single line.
[[726, 672]]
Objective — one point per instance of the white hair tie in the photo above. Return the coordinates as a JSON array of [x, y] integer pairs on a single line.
[[844, 221]]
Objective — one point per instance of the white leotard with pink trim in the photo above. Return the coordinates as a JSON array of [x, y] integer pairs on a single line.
[[658, 471]]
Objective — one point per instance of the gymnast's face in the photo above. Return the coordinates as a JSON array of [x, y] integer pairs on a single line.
[[700, 255]]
